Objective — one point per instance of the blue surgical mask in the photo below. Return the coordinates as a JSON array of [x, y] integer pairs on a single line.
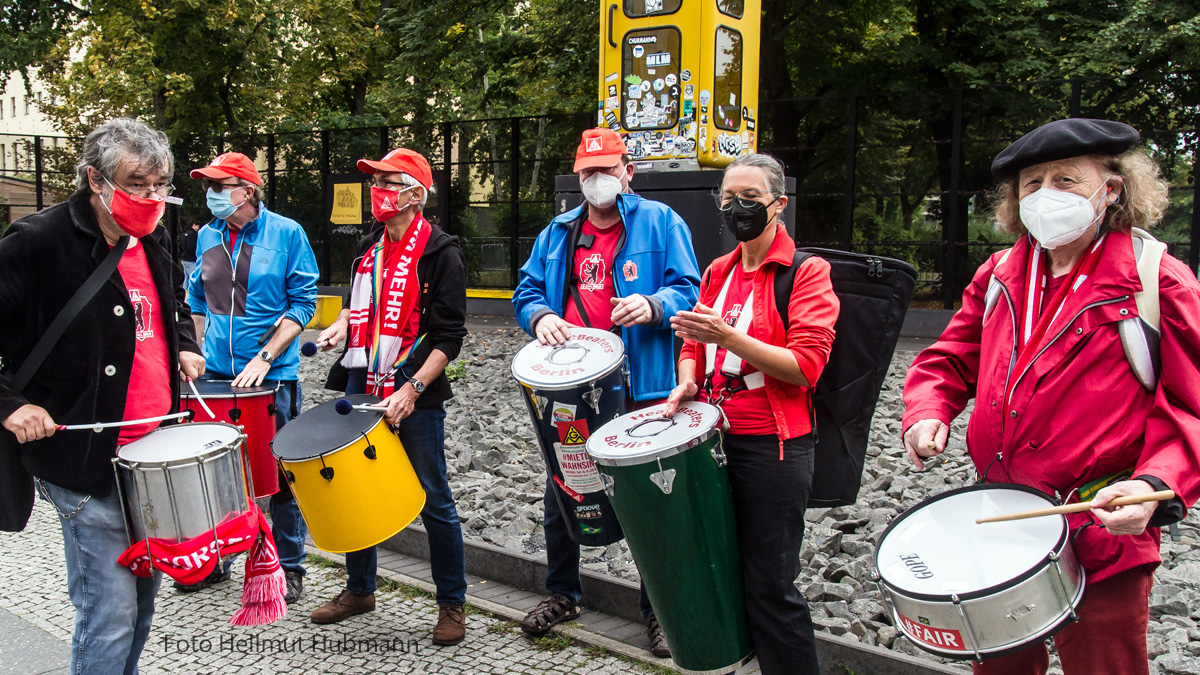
[[221, 203]]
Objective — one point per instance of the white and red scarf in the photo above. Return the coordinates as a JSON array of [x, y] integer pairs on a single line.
[[381, 301], [189, 562]]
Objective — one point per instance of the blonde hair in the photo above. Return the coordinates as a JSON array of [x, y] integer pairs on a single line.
[[1143, 195]]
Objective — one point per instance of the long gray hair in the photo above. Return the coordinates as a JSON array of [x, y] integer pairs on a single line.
[[120, 139]]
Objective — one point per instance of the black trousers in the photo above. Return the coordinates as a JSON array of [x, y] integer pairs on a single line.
[[769, 499]]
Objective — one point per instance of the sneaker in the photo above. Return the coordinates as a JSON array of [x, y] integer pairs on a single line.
[[658, 641], [344, 606], [295, 586], [215, 577], [451, 625], [549, 613]]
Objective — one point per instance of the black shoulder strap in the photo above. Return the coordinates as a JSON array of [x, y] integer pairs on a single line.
[[785, 277], [573, 242], [67, 314]]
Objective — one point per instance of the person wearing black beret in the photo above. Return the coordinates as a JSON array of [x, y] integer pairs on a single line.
[[1078, 347]]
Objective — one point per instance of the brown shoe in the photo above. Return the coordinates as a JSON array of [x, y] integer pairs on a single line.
[[344, 606], [549, 613], [451, 625], [658, 641]]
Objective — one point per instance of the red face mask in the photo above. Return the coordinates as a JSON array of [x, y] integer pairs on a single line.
[[385, 203], [135, 215]]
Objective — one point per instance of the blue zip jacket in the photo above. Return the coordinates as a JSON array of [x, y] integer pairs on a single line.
[[659, 245], [276, 275]]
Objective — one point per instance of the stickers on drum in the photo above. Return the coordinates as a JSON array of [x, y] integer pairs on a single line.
[[965, 590], [589, 354]]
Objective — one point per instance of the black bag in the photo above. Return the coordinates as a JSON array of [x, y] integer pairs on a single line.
[[874, 294]]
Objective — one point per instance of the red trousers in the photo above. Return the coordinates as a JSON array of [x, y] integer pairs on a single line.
[[1110, 636]]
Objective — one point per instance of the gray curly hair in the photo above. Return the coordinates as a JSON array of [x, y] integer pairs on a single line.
[[118, 139]]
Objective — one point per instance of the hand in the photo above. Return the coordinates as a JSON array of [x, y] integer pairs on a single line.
[[926, 438], [631, 311], [684, 392], [552, 330], [400, 404], [191, 365], [332, 336], [30, 423], [1130, 519], [702, 324], [253, 374]]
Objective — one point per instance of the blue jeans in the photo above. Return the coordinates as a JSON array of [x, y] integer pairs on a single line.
[[424, 439], [287, 525], [113, 608], [562, 555]]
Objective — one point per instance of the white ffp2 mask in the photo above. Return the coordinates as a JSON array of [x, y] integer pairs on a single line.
[[601, 189], [1056, 218]]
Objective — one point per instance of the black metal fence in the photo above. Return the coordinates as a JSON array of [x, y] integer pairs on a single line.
[[900, 174]]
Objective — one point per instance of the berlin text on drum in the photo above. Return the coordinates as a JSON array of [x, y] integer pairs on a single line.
[[324, 643], [556, 372]]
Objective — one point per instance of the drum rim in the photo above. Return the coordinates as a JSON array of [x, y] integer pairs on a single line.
[[663, 453], [723, 670], [297, 460], [619, 363], [1063, 539], [186, 392], [133, 464]]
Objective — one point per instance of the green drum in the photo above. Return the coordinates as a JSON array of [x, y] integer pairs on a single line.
[[667, 483]]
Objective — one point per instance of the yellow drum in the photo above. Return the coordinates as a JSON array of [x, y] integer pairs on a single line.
[[351, 477]]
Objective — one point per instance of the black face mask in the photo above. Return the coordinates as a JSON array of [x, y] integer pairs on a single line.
[[746, 222]]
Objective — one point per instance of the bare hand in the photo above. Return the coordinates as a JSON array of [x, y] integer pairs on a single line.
[[400, 404], [685, 391], [30, 423], [631, 311], [552, 330], [253, 374], [191, 365], [702, 324], [332, 336], [926, 438], [1129, 519]]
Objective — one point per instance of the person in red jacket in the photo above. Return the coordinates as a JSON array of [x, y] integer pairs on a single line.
[[739, 354], [1058, 406]]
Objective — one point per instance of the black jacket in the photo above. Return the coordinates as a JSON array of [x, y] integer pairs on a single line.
[[44, 259], [442, 274]]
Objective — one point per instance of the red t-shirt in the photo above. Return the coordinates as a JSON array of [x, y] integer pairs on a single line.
[[748, 411], [149, 381], [593, 268]]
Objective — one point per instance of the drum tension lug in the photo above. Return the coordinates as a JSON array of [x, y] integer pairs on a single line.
[[290, 477], [327, 473], [235, 414], [272, 409], [592, 398], [370, 452], [609, 484]]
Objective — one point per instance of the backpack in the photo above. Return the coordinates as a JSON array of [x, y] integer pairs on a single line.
[[874, 293]]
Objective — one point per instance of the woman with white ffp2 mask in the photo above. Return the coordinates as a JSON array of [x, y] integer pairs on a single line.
[[1056, 217]]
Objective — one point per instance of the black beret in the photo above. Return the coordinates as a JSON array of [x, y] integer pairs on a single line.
[[1062, 139]]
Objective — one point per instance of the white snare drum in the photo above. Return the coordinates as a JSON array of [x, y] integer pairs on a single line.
[[968, 591], [181, 481]]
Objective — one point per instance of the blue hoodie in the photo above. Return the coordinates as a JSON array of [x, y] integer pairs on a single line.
[[659, 245], [276, 275]]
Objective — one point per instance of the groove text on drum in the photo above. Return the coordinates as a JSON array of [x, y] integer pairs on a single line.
[[915, 565], [326, 644]]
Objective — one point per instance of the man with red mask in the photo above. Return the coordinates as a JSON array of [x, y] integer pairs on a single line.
[[121, 358], [425, 302]]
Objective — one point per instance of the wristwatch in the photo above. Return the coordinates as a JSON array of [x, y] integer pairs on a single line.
[[417, 385], [266, 355]]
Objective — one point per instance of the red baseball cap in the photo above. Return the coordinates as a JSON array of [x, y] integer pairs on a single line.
[[229, 165], [401, 159], [600, 148]]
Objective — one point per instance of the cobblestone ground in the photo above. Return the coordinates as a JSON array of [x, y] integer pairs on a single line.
[[191, 633]]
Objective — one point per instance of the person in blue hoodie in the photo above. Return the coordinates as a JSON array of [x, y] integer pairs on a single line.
[[621, 263], [274, 290]]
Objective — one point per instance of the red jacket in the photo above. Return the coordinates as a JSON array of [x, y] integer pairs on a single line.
[[813, 310], [1077, 413]]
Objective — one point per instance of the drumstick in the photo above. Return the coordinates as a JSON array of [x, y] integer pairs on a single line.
[[200, 399], [1080, 507], [125, 423], [271, 331], [345, 407]]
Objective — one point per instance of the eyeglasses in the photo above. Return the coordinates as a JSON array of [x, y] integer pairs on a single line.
[[391, 185], [222, 187], [747, 199], [143, 191]]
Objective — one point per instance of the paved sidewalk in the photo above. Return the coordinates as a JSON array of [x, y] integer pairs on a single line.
[[192, 634]]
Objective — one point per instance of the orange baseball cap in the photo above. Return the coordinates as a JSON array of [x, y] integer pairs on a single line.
[[599, 148], [230, 164], [401, 159]]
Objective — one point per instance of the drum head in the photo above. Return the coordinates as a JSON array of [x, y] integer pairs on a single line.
[[180, 442], [588, 355], [936, 549], [643, 435], [323, 429], [224, 389]]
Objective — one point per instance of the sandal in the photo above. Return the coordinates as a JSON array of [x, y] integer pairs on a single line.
[[549, 613], [658, 641]]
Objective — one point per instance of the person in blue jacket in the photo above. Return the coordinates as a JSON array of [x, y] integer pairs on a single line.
[[621, 263], [274, 291]]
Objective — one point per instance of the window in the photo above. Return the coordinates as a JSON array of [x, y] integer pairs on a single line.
[[727, 80], [732, 8], [13, 101], [3, 161], [650, 79], [16, 156], [635, 8], [26, 104]]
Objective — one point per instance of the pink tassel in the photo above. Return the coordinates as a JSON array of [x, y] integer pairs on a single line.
[[262, 600]]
